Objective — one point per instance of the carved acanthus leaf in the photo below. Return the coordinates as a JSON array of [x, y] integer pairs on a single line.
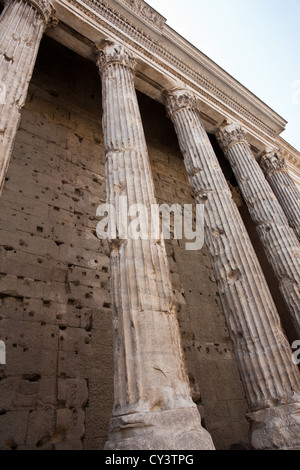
[[44, 7], [273, 162], [179, 98], [230, 134], [115, 53]]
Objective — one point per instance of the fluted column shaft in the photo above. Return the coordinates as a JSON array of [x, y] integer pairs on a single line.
[[278, 238], [271, 382], [22, 24], [153, 406], [275, 169]]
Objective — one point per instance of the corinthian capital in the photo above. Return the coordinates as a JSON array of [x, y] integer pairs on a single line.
[[114, 53], [44, 7], [179, 98], [230, 134], [272, 162]]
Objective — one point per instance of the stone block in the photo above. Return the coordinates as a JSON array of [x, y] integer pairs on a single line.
[[73, 422], [73, 392], [41, 426], [13, 429]]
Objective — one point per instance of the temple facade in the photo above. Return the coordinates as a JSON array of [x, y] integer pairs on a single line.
[[133, 340]]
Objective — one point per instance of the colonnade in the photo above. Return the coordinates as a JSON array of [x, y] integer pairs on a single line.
[[153, 408]]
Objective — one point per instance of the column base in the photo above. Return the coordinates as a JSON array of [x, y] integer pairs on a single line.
[[276, 428], [177, 429]]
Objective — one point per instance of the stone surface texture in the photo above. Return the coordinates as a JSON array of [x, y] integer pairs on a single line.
[[278, 239], [275, 169], [153, 406], [261, 347], [55, 273], [139, 344], [22, 24]]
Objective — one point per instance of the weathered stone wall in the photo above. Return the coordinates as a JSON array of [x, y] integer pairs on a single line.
[[57, 386]]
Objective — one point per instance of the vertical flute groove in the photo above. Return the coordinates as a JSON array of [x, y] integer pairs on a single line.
[[279, 240], [250, 311], [271, 381], [150, 374], [275, 169], [139, 283], [22, 25]]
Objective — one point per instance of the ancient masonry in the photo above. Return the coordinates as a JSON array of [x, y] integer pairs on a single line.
[[140, 343]]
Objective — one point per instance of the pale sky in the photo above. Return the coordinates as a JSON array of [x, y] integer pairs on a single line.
[[255, 41]]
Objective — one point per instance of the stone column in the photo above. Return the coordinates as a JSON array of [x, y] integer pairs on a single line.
[[22, 24], [278, 238], [271, 381], [153, 408], [275, 169]]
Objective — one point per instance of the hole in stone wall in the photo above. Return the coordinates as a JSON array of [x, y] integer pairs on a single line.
[[11, 444], [8, 248], [54, 93], [31, 377]]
